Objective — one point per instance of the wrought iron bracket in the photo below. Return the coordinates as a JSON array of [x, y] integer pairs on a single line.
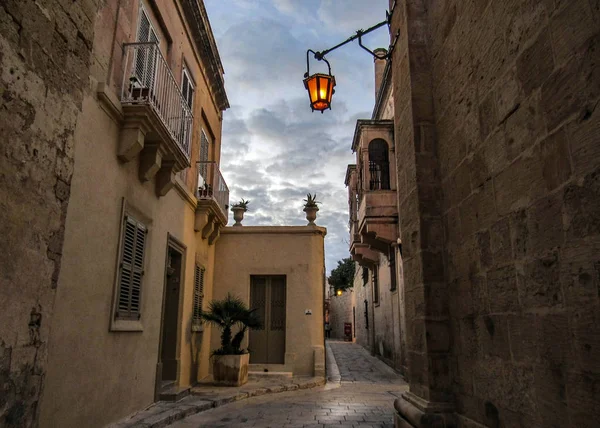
[[320, 55]]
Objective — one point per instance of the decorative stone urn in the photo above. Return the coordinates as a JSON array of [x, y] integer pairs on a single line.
[[238, 215], [231, 370], [311, 215]]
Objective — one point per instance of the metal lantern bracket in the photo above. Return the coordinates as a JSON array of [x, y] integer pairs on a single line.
[[320, 55]]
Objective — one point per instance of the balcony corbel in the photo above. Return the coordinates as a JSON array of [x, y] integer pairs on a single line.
[[208, 229], [216, 233], [165, 178], [132, 136], [150, 161], [364, 255]]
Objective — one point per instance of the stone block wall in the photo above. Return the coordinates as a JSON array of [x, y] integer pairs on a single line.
[[386, 324], [340, 312], [516, 90], [45, 48]]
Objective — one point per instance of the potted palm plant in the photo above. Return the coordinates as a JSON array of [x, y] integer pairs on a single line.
[[238, 211], [230, 361], [311, 208]]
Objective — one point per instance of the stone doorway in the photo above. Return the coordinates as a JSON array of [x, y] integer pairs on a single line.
[[268, 297]]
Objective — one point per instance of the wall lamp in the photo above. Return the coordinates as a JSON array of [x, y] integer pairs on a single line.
[[319, 85]]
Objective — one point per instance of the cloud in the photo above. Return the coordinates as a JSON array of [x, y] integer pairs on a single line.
[[349, 16], [274, 149]]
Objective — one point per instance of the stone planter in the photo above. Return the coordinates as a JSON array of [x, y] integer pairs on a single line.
[[238, 215], [231, 370], [311, 215]]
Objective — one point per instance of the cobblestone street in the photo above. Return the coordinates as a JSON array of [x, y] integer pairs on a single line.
[[363, 397]]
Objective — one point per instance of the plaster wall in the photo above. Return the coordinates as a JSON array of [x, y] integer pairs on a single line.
[[294, 251], [106, 374], [362, 292]]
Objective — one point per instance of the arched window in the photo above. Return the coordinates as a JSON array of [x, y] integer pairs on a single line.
[[379, 165]]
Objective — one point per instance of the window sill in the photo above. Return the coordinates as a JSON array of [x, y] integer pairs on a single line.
[[125, 325]]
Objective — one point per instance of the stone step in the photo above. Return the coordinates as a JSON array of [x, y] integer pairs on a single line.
[[269, 374], [174, 393]]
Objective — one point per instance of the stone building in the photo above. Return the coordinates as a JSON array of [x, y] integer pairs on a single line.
[[40, 108], [112, 205], [495, 161]]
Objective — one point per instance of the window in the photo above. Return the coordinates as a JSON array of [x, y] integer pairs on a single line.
[[198, 298], [203, 167], [131, 269], [146, 58], [204, 144], [365, 275], [375, 287], [366, 314], [379, 165], [393, 280], [187, 88]]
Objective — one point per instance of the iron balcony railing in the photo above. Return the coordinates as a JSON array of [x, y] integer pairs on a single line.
[[211, 185], [147, 79]]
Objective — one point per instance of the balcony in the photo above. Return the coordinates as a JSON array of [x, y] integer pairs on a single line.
[[372, 191], [157, 120], [213, 201], [378, 219]]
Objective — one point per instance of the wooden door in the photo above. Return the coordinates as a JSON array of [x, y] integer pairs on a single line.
[[268, 297]]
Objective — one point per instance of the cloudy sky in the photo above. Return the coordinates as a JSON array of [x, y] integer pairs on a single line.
[[275, 150]]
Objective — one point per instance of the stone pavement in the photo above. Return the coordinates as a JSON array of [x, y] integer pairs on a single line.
[[207, 396], [360, 393]]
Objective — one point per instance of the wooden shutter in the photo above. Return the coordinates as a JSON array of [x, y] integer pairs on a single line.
[[375, 286], [187, 88], [146, 58], [393, 282], [198, 295], [131, 270], [203, 147]]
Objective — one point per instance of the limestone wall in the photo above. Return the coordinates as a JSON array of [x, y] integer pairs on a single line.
[[497, 126], [44, 65], [340, 313]]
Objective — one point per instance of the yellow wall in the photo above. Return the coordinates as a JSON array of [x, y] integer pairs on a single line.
[[107, 375], [294, 251]]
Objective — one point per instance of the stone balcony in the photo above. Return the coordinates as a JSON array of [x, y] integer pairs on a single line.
[[378, 219], [155, 118], [212, 194]]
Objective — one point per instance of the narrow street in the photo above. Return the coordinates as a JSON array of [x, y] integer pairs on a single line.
[[360, 393]]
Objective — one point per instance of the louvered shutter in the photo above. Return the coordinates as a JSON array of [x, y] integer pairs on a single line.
[[198, 295], [145, 60], [203, 147], [131, 270]]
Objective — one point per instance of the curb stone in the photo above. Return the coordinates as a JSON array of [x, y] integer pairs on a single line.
[[163, 413]]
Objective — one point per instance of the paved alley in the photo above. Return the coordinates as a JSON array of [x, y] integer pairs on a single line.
[[361, 396]]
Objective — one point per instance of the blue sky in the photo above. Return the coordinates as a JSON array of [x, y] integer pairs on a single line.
[[274, 149]]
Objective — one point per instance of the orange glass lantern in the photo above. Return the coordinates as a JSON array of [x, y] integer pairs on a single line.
[[320, 90], [319, 85]]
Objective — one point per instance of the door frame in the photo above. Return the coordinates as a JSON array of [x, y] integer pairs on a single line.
[[179, 246]]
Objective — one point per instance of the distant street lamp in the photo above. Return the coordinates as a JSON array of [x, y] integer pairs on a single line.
[[320, 86], [339, 292]]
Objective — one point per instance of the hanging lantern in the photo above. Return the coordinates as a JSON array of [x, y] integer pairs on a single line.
[[339, 292], [319, 85], [320, 90]]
